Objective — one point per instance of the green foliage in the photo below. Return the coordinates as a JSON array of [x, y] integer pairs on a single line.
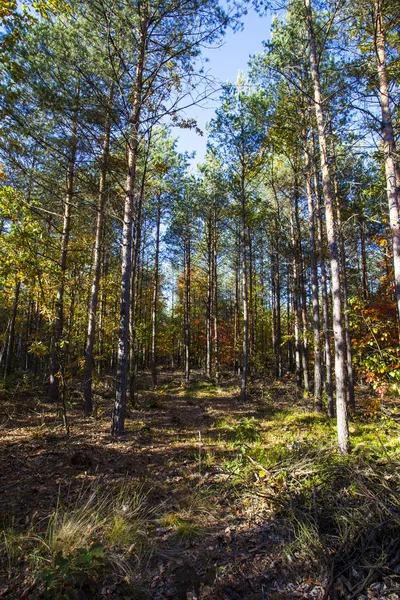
[[22, 246], [247, 430], [76, 570]]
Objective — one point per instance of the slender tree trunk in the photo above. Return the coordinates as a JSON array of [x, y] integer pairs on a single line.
[[278, 358], [262, 301], [11, 335], [243, 389], [103, 313], [364, 269], [314, 283], [209, 296], [340, 371], [349, 363], [276, 285], [215, 298], [392, 170], [296, 304], [91, 330], [118, 417], [302, 296], [135, 291], [59, 306], [324, 295], [288, 326], [155, 299], [273, 312], [250, 301], [236, 318], [187, 302]]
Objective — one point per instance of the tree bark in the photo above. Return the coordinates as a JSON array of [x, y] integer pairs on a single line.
[[210, 273], [91, 331], [324, 295], [10, 341], [392, 170], [314, 282], [135, 291], [187, 302], [118, 416], [340, 371], [155, 297], [302, 296], [236, 316], [349, 363], [215, 298], [296, 303], [59, 305], [250, 300], [364, 270], [243, 389]]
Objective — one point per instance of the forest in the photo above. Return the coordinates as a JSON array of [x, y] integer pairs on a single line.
[[199, 360]]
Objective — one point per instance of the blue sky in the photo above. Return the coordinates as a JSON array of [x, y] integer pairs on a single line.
[[223, 64]]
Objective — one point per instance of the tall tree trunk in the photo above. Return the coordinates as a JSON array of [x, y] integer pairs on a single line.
[[215, 298], [250, 301], [59, 305], [349, 363], [314, 282], [118, 416], [236, 317], [276, 286], [10, 341], [364, 269], [262, 304], [210, 274], [102, 311], [392, 170], [324, 293], [273, 311], [340, 371], [187, 319], [243, 389], [291, 368], [91, 330], [135, 292], [155, 298], [302, 296], [296, 304], [278, 358]]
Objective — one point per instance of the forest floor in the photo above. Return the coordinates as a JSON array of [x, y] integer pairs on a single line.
[[203, 497]]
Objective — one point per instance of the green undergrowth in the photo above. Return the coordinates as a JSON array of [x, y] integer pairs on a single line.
[[339, 516], [100, 532], [342, 513], [207, 390]]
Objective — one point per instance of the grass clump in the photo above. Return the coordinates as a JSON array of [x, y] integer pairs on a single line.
[[181, 526], [100, 533], [15, 544], [128, 520], [76, 527]]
